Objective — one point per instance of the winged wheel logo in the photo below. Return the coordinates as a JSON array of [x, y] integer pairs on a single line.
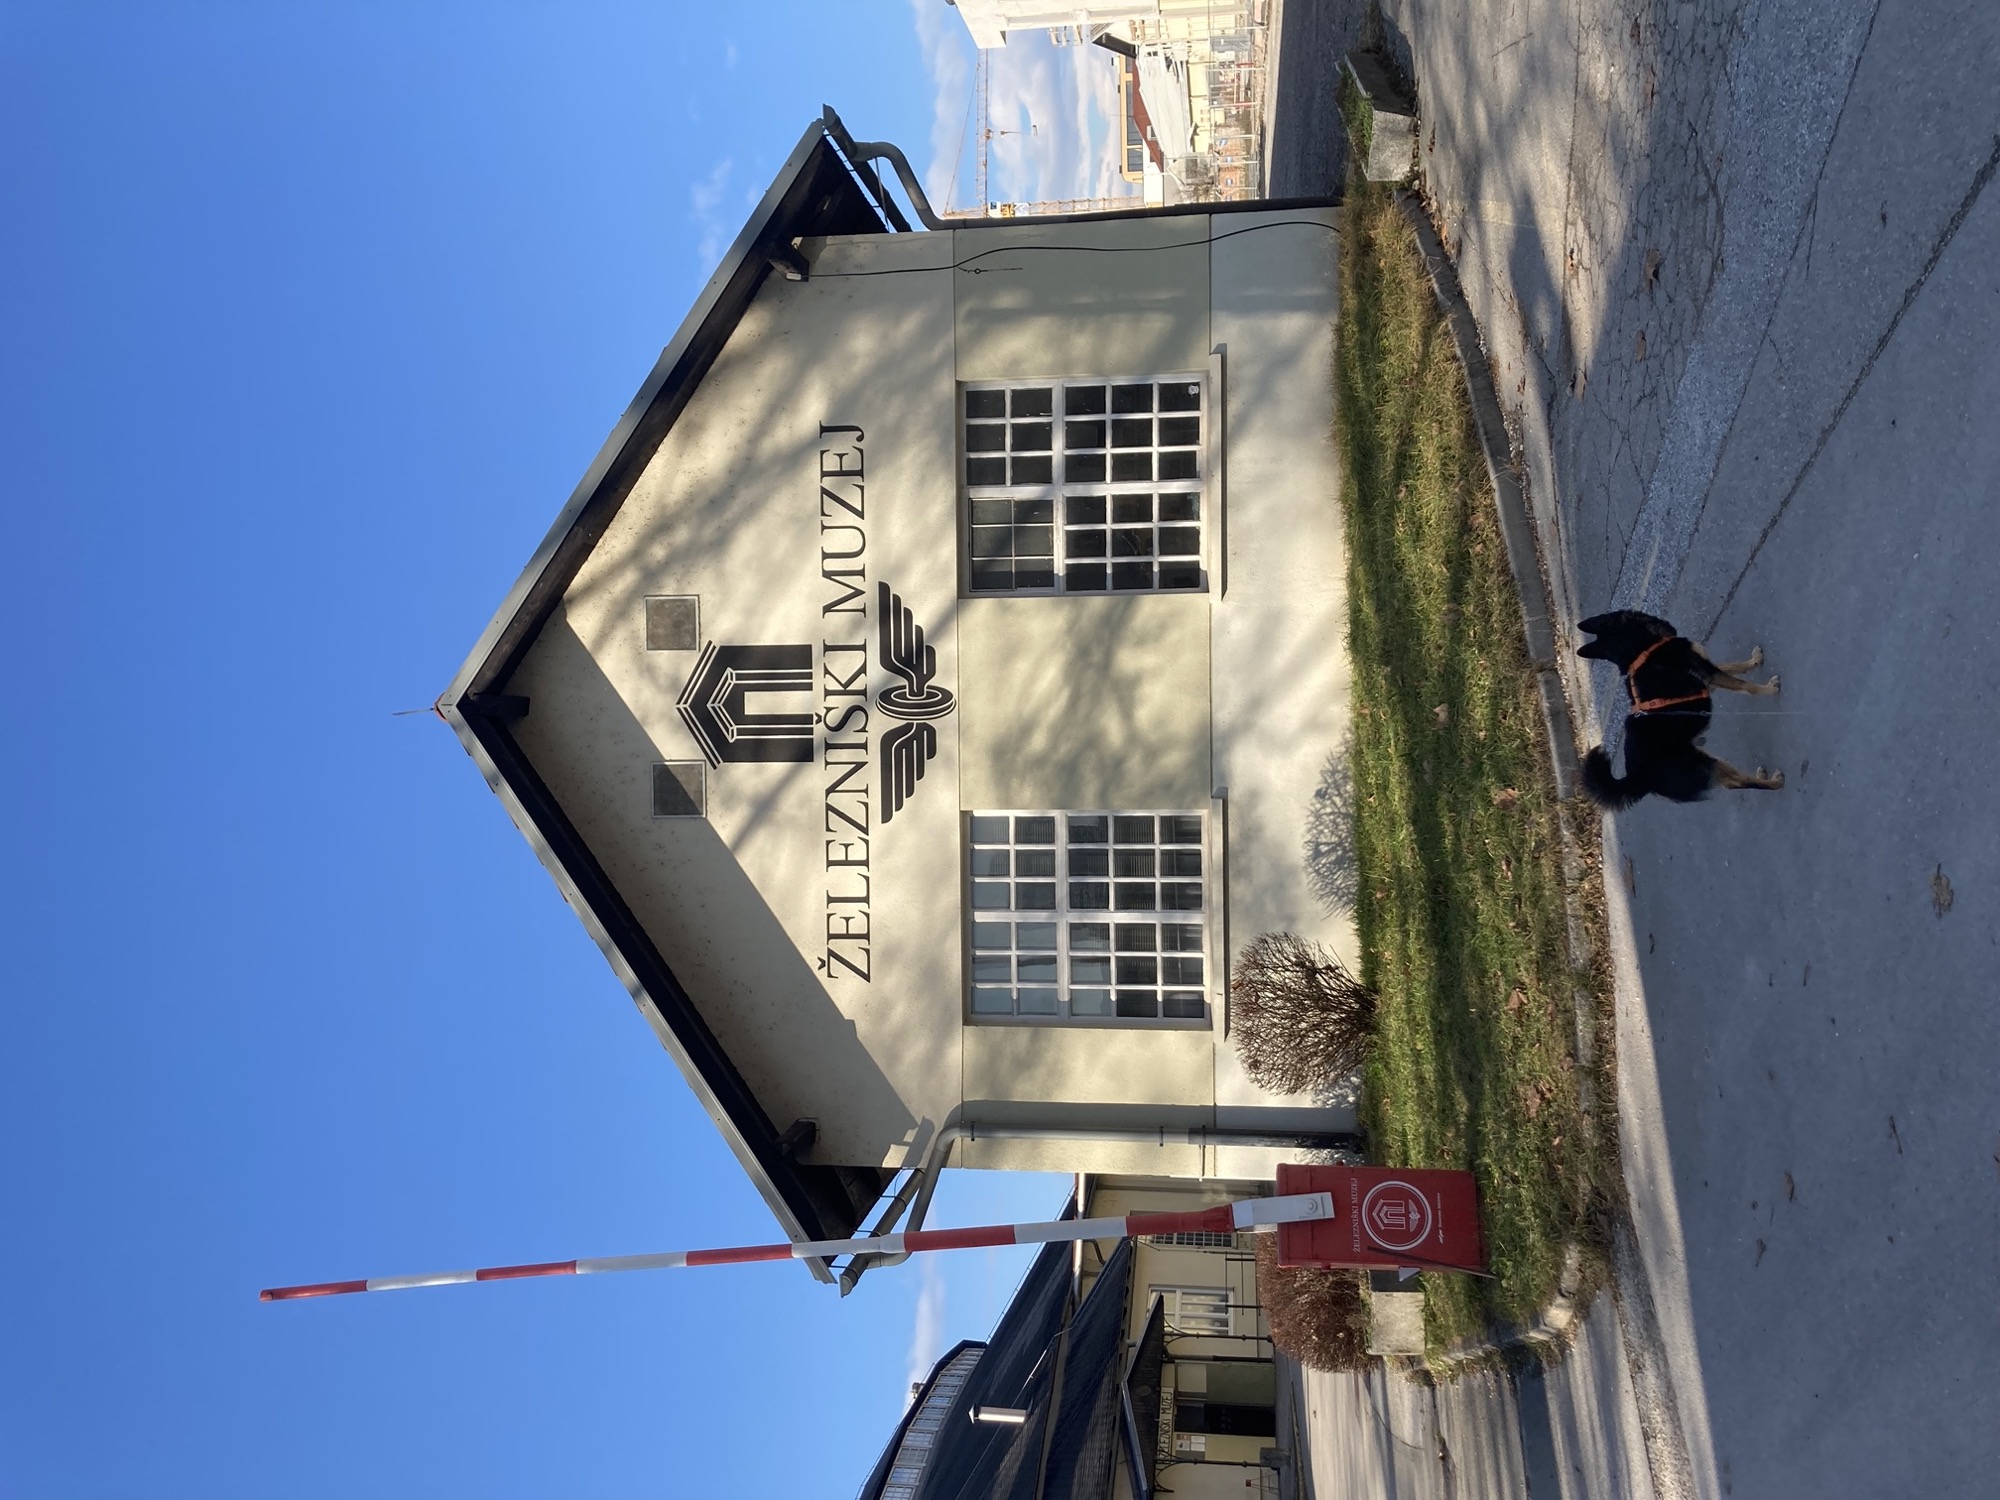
[[916, 700]]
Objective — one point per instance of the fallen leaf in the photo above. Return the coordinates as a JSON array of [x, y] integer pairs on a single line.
[[1516, 1000], [1442, 713], [1531, 1105], [1505, 798], [1653, 260], [1791, 1189], [1639, 349], [1941, 893]]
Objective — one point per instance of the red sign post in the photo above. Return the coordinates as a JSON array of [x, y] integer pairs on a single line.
[[1383, 1217]]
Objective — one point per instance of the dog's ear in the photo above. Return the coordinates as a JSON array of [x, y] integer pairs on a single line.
[[1595, 650]]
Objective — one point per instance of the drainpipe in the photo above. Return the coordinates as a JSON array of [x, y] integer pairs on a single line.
[[861, 151], [922, 1182]]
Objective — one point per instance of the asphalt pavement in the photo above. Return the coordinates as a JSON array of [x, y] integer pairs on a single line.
[[1737, 268], [1571, 1429]]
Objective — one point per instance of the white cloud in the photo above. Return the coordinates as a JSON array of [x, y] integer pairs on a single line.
[[705, 202], [948, 56], [1054, 111], [927, 1329], [1056, 106]]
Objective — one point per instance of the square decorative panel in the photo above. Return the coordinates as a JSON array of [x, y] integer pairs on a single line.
[[673, 622], [680, 789]]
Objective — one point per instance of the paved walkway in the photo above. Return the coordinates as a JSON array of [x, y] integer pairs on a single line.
[[1738, 270], [1569, 1431]]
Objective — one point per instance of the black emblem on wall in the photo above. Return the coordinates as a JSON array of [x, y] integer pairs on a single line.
[[728, 703], [911, 745]]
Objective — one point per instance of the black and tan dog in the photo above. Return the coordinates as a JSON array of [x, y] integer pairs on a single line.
[[1667, 682]]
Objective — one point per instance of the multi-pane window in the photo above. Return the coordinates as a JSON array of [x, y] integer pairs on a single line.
[[1088, 916], [1193, 1239], [1195, 1309], [1084, 486]]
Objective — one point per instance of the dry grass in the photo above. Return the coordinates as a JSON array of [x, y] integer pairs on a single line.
[[1460, 898], [1319, 1318]]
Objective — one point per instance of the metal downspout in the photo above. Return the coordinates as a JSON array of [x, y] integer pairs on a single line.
[[860, 151]]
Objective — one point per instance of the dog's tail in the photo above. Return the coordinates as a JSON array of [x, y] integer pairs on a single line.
[[1605, 789]]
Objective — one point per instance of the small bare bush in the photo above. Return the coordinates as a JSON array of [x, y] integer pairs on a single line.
[[1319, 1318], [1300, 1020]]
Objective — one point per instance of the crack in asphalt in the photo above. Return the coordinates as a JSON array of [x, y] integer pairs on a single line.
[[1808, 232], [1943, 243], [1778, 111]]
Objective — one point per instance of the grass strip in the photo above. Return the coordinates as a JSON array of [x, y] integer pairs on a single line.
[[1460, 899], [1357, 114]]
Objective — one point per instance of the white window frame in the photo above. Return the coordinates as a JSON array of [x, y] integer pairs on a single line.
[[1205, 1305], [1166, 500], [1070, 997]]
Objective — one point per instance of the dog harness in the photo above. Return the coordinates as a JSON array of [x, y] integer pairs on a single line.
[[1654, 705]]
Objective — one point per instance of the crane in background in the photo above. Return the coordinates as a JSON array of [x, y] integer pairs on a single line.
[[982, 135]]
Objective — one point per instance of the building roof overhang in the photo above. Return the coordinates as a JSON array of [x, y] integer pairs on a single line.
[[819, 191]]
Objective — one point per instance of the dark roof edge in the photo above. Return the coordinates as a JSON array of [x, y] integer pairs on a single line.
[[801, 200], [871, 1487], [708, 323], [745, 1128]]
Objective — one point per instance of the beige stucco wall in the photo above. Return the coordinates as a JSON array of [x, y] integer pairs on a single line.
[[1062, 702], [730, 510], [1281, 670], [1085, 701], [1033, 304]]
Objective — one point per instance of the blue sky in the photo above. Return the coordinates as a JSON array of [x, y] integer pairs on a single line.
[[313, 317]]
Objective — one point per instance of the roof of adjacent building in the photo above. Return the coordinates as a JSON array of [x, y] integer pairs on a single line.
[[1064, 1369]]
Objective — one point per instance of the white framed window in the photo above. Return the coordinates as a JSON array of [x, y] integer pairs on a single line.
[[1195, 1309], [1193, 1239], [1088, 916], [1084, 486]]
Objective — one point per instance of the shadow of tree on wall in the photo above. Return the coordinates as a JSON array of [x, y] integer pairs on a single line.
[[1329, 836]]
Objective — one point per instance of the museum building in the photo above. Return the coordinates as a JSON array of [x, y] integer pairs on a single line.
[[935, 678]]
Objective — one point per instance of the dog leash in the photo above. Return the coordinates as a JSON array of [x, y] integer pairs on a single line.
[[1654, 705]]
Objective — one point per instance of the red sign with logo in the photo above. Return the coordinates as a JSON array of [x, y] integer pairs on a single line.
[[1384, 1216]]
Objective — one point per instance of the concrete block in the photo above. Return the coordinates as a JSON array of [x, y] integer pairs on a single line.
[[1390, 136], [1396, 1321]]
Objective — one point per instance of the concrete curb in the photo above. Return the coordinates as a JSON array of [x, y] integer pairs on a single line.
[[1523, 558], [1552, 1326]]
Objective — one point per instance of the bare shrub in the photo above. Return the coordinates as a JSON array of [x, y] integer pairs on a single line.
[[1300, 1020], [1319, 1318]]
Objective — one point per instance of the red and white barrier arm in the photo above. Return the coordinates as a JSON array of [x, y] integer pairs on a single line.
[[1251, 1213]]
